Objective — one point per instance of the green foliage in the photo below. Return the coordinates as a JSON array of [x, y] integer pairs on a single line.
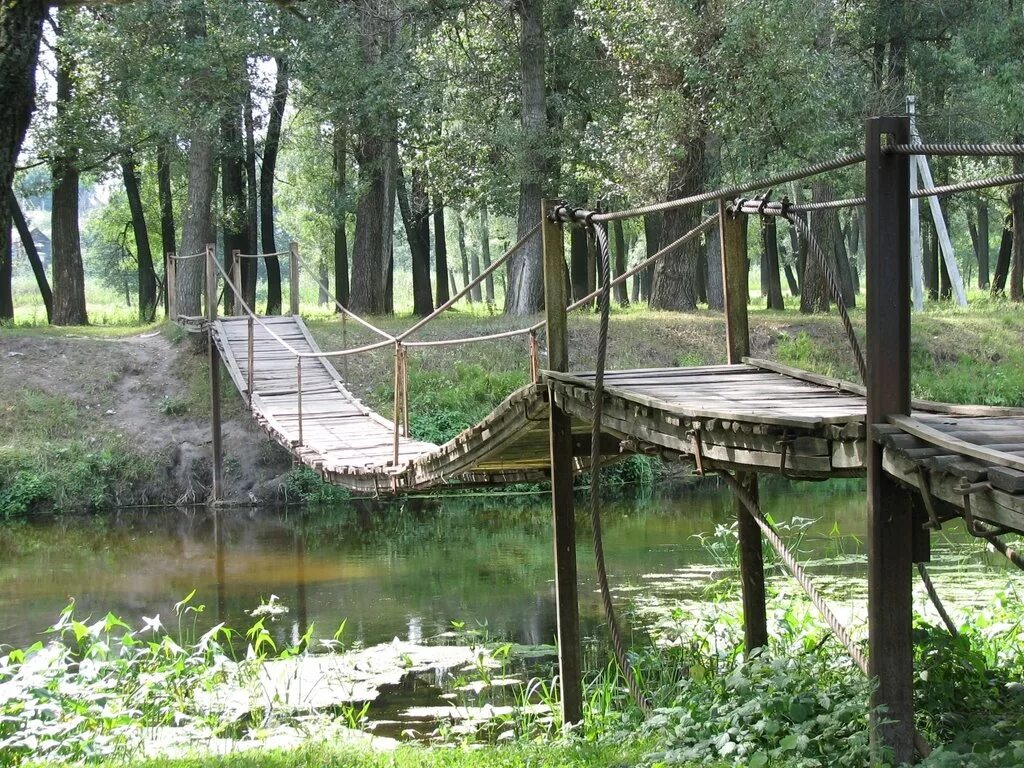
[[304, 485]]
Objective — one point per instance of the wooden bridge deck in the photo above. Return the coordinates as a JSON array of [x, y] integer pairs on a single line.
[[755, 416]]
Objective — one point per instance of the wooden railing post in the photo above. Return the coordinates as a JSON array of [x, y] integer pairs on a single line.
[[890, 513], [735, 278], [171, 279], [298, 390], [293, 277], [236, 278], [398, 399], [249, 373], [214, 361], [562, 505]]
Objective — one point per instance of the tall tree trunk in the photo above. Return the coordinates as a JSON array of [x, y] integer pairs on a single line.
[[147, 275], [770, 244], [1017, 211], [634, 288], [713, 260], [676, 275], [388, 222], [654, 223], [977, 224], [414, 215], [234, 211], [578, 266], [619, 238], [460, 227], [163, 184], [524, 293], [32, 254], [270, 150], [843, 270], [68, 272], [930, 255], [339, 142], [485, 253], [474, 271], [250, 267], [441, 254], [814, 293], [21, 29], [323, 295], [1003, 258], [368, 251]]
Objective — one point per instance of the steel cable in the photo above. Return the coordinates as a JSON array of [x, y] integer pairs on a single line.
[[618, 645], [837, 293], [968, 150], [726, 192]]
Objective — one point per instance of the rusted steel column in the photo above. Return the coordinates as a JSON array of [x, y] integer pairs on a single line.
[[890, 513], [734, 282], [563, 513], [214, 361]]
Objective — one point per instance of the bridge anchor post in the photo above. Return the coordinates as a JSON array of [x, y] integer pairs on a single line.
[[890, 513], [562, 504], [733, 241], [214, 361]]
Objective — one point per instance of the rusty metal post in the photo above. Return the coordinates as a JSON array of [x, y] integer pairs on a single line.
[[735, 277], [562, 503], [890, 514], [293, 277], [214, 361]]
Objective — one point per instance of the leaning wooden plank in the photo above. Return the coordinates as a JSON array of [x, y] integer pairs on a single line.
[[1006, 479], [956, 445]]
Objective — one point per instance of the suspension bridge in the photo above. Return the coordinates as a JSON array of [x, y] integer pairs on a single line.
[[926, 463]]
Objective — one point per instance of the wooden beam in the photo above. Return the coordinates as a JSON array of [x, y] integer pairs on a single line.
[[890, 515], [214, 362], [562, 504], [737, 331]]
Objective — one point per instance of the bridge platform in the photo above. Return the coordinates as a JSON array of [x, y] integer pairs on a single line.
[[756, 416]]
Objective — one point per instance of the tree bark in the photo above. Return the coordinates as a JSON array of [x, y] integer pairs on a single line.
[[474, 271], [68, 273], [163, 183], [415, 218], [1017, 212], [250, 267], [814, 288], [524, 293], [485, 253], [270, 149], [930, 256], [654, 223], [676, 275], [368, 252], [146, 273], [977, 224], [1003, 258], [463, 255], [32, 254], [713, 260], [21, 29], [339, 141], [843, 269], [619, 239], [441, 254], [578, 267], [770, 245], [234, 211]]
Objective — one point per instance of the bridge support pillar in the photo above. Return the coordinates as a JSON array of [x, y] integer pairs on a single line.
[[890, 513], [734, 283], [214, 361], [570, 670]]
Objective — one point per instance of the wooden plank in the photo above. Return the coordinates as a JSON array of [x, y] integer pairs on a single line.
[[1006, 479], [936, 437]]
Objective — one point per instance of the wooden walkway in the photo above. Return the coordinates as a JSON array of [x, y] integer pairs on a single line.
[[754, 416]]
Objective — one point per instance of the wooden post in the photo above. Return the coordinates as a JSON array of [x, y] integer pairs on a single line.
[[398, 397], [890, 515], [249, 374], [293, 277], [236, 279], [734, 293], [214, 360], [298, 390], [570, 674], [171, 278], [916, 253]]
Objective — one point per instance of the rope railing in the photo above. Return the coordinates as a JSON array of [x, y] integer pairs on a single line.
[[185, 256], [838, 163], [959, 150], [470, 286], [262, 255]]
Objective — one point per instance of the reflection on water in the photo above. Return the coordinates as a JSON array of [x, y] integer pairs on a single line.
[[406, 569]]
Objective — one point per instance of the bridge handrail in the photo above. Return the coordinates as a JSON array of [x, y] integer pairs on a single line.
[[341, 307], [469, 286]]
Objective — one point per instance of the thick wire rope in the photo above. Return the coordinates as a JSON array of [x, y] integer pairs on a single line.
[[969, 150], [837, 293], [726, 192], [796, 570], [618, 644]]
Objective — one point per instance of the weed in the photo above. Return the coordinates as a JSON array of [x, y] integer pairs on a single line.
[[174, 405]]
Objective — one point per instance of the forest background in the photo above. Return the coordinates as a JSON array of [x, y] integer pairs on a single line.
[[402, 143]]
